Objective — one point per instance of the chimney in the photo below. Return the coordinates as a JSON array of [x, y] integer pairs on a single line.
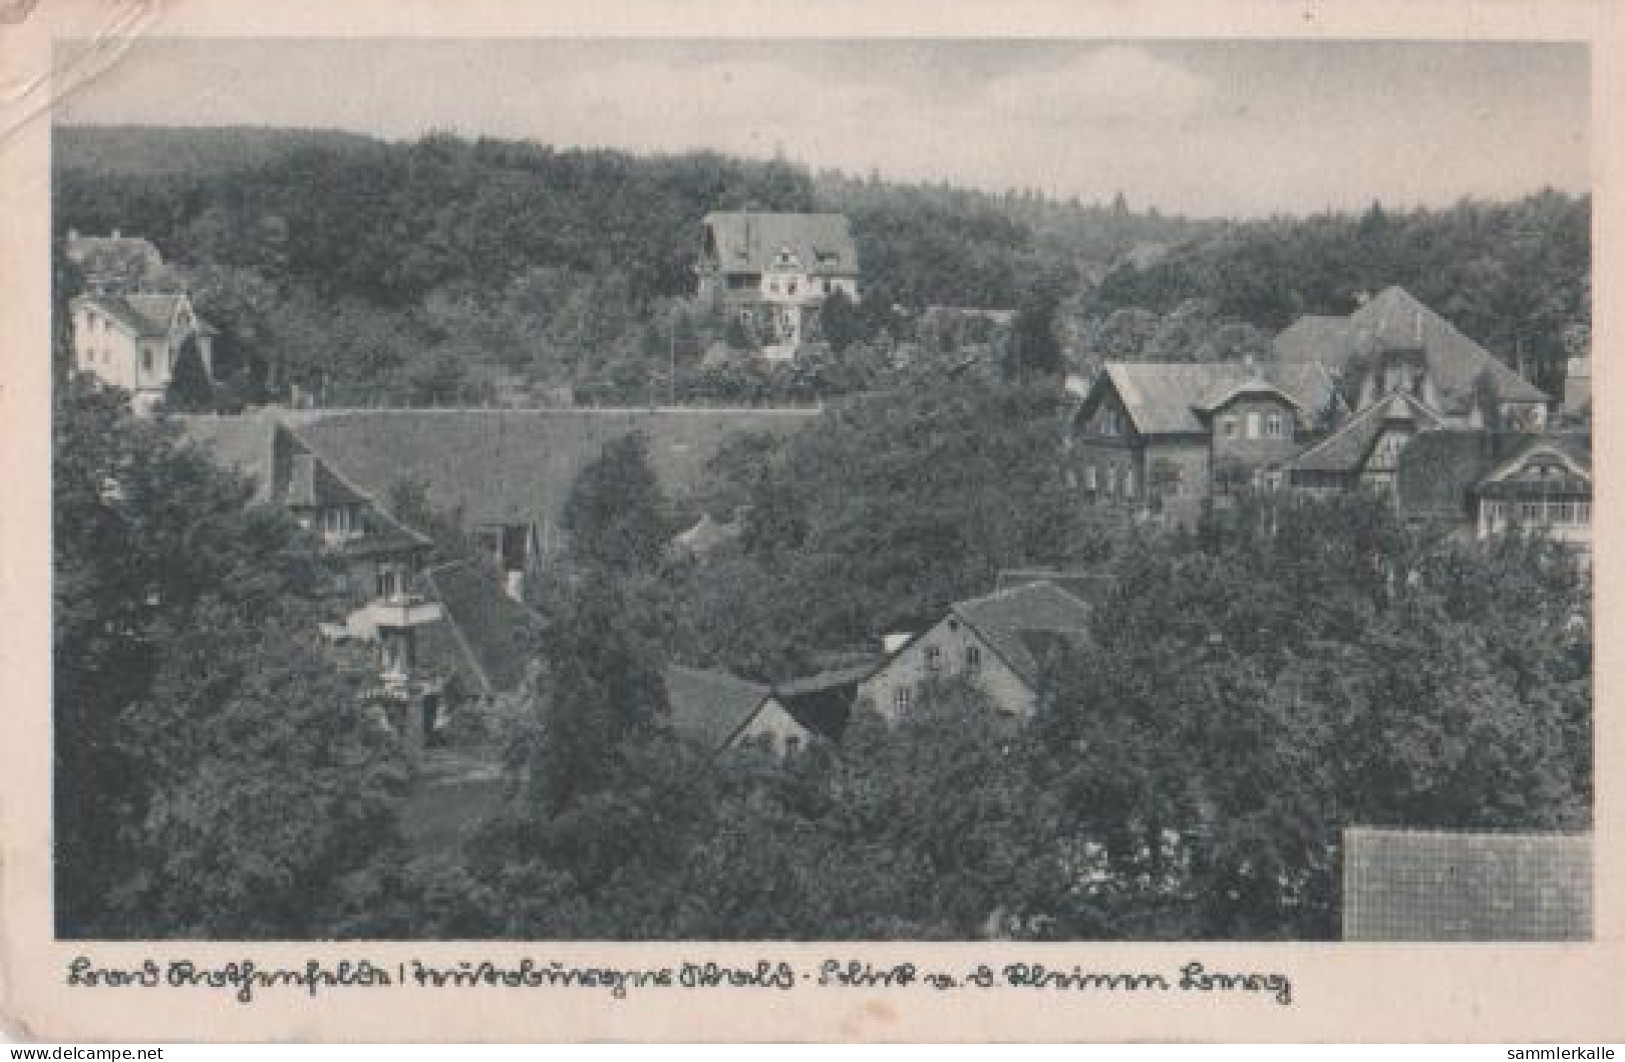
[[73, 234], [115, 234]]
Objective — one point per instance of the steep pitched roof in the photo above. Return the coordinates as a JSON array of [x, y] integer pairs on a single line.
[[1345, 449], [285, 470], [1394, 319], [148, 315], [1164, 397], [311, 484], [1305, 338], [517, 466], [822, 702], [243, 444], [711, 706], [749, 242], [1402, 884], [484, 635], [1008, 619], [1092, 588], [1573, 449]]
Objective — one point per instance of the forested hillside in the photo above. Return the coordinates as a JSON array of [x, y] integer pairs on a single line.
[[450, 270], [1516, 277]]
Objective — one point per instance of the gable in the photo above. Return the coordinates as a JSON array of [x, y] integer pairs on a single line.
[[1542, 465], [1349, 447], [748, 242], [1395, 320], [1172, 398], [711, 707], [1103, 412]]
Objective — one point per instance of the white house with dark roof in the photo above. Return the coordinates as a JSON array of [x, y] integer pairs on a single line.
[[133, 340], [774, 270], [998, 643]]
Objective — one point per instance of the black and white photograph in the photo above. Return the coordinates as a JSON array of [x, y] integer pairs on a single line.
[[821, 523], [728, 489]]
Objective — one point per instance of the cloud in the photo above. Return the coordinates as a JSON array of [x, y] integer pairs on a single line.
[[1107, 84]]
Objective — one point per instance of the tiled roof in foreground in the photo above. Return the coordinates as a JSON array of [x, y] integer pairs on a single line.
[[1404, 884]]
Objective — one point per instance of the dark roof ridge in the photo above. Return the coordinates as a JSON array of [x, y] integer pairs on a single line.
[[337, 473]]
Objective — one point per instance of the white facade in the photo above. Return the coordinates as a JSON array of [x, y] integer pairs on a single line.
[[109, 346], [951, 649], [776, 729]]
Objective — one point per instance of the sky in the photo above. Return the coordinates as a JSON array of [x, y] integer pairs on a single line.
[[1229, 128]]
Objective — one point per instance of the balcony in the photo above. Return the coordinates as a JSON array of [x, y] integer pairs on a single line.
[[397, 612]]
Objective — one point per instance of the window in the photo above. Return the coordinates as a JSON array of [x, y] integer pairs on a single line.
[[1089, 480], [933, 658], [387, 583], [1111, 480], [1254, 422], [1128, 482], [1275, 426], [902, 697], [792, 744], [1227, 427], [973, 659], [1071, 479], [790, 288]]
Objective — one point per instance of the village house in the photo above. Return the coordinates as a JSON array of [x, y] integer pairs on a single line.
[[998, 643], [773, 271], [1168, 434], [375, 561], [720, 712], [1393, 342], [505, 475], [1363, 453], [1481, 483], [132, 321], [133, 340]]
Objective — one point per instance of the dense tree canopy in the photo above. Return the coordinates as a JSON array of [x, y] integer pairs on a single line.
[[214, 774]]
